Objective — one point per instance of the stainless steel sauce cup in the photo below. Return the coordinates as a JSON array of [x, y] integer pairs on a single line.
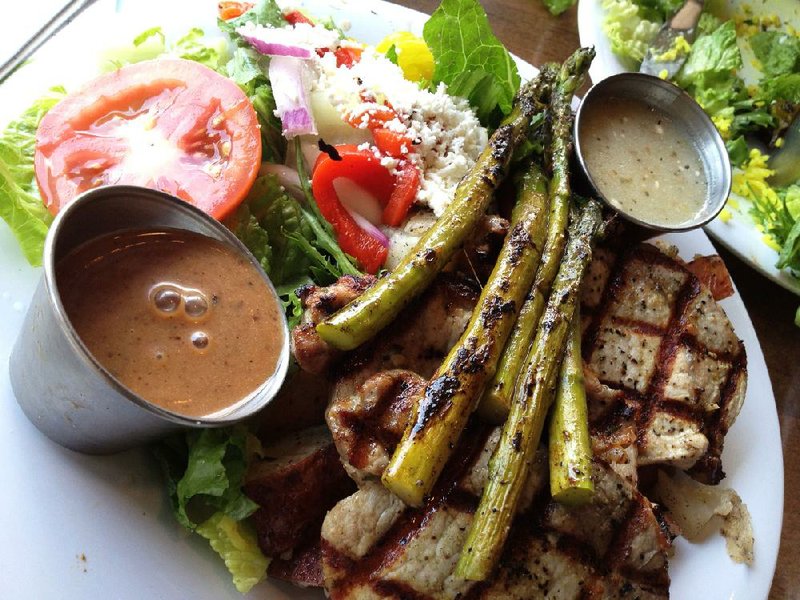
[[60, 386], [682, 109]]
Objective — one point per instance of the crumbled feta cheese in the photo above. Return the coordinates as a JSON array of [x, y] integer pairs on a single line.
[[445, 134]]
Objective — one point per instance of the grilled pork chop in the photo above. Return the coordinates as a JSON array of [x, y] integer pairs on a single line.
[[374, 547], [666, 374]]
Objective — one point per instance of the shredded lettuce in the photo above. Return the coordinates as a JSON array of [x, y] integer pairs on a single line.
[[470, 60], [627, 30], [20, 204], [236, 543]]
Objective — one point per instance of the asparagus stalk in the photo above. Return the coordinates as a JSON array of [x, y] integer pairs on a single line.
[[365, 316], [497, 397], [510, 464], [451, 395], [570, 450]]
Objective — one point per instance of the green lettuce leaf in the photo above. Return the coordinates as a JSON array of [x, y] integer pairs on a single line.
[[783, 87], [236, 543], [737, 150], [556, 7], [20, 204], [195, 46], [778, 52], [266, 12], [628, 31], [205, 470], [713, 61], [470, 60], [658, 10]]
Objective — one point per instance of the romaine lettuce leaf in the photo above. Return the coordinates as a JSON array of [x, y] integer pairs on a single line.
[[629, 33], [236, 543], [205, 470], [783, 87], [778, 52], [266, 12], [713, 61], [470, 60], [20, 204]]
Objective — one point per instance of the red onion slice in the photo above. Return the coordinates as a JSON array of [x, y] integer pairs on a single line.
[[291, 85]]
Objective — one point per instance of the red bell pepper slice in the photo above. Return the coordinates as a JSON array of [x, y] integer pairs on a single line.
[[403, 194], [293, 17], [362, 167]]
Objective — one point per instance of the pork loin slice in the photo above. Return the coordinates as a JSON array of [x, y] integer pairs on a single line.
[[297, 480], [373, 394], [662, 361], [374, 547]]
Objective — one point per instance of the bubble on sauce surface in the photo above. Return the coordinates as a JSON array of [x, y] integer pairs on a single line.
[[166, 298], [200, 340], [195, 305]]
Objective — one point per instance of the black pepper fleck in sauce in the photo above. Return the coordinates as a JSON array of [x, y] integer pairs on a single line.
[[642, 162]]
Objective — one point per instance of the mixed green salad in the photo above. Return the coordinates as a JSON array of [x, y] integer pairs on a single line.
[[743, 68], [292, 240]]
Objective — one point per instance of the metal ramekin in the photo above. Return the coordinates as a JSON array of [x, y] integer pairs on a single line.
[[60, 386], [687, 114]]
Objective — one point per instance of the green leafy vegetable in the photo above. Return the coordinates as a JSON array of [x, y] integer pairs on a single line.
[[783, 87], [778, 52], [20, 204], [194, 46], [266, 12], [471, 60], [713, 60], [629, 33], [391, 54], [658, 10], [556, 7], [236, 543], [204, 471], [737, 150]]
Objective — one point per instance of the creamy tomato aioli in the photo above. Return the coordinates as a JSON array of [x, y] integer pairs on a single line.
[[179, 318], [642, 162]]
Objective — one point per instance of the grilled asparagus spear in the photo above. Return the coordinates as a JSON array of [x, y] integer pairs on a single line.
[[365, 316], [451, 395], [569, 447], [497, 397], [533, 393]]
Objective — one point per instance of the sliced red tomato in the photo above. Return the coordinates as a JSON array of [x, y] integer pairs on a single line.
[[169, 124], [228, 10], [347, 57], [293, 17]]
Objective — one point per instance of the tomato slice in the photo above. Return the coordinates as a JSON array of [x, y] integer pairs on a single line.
[[169, 124], [228, 10]]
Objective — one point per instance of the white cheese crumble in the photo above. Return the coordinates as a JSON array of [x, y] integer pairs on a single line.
[[445, 136]]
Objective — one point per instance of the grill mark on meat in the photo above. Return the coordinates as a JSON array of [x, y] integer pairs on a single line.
[[303, 568], [392, 545], [369, 426]]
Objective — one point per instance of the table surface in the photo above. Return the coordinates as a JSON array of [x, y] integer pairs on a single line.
[[530, 32]]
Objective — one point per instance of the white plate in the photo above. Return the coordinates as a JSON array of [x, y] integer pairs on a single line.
[[739, 234], [76, 527]]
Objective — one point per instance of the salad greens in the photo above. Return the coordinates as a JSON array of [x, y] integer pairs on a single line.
[[204, 471], [750, 118], [20, 204], [471, 60], [556, 7]]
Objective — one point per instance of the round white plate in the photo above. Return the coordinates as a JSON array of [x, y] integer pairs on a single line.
[[739, 234], [76, 527]]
